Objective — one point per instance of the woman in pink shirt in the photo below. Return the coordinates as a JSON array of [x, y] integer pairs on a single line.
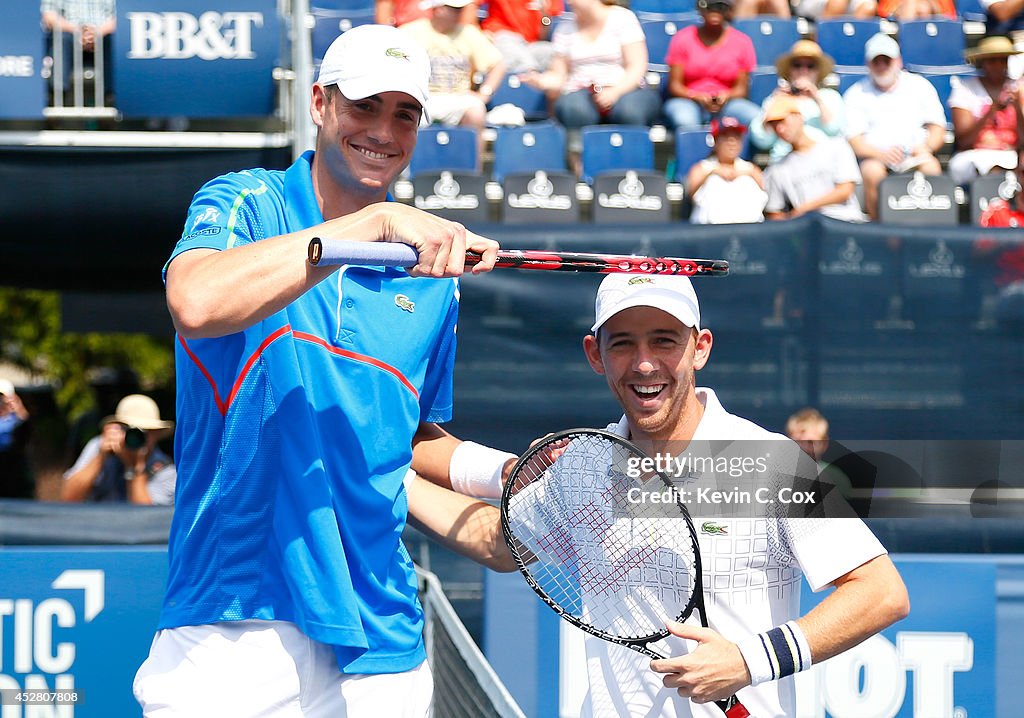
[[709, 70]]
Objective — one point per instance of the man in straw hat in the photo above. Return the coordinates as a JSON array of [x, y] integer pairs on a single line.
[[986, 112], [124, 462], [304, 395], [894, 119]]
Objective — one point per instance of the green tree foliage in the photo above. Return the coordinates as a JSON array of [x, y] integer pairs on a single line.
[[31, 338]]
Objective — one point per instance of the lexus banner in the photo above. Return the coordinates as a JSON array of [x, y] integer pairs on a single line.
[[196, 58]]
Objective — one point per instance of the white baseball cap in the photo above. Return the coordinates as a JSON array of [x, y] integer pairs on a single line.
[[6, 387], [672, 294], [370, 59], [879, 45]]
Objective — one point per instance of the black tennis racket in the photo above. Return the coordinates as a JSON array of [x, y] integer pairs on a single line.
[[576, 517], [340, 251]]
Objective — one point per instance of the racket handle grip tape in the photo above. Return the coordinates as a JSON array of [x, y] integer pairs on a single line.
[[378, 254]]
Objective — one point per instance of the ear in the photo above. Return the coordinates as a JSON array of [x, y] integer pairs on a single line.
[[592, 349], [318, 105], [702, 349]]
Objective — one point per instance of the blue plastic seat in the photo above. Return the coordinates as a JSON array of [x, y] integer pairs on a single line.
[[329, 24], [659, 34], [530, 100], [772, 36], [532, 147], [930, 43], [615, 147], [445, 148], [941, 82], [762, 84], [692, 146], [843, 38], [661, 7]]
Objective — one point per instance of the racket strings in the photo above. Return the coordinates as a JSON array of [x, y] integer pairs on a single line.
[[619, 565]]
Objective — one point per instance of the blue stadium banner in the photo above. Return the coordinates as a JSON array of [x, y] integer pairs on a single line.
[[76, 624], [22, 90], [939, 661], [196, 58]]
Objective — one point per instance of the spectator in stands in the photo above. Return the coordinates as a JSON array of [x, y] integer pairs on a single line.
[[16, 478], [597, 72], [724, 187], [521, 31], [801, 73], [809, 428], [124, 462], [87, 24], [894, 119], [904, 10], [108, 385], [709, 70], [987, 113], [753, 8], [457, 53], [817, 176], [815, 9], [1001, 213], [1004, 17], [400, 12]]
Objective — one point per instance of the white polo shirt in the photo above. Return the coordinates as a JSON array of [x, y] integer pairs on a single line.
[[895, 117], [752, 576]]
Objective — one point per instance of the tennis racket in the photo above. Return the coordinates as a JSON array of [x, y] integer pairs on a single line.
[[606, 561], [394, 254]]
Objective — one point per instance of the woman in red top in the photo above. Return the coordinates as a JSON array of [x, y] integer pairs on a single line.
[[709, 70], [987, 113]]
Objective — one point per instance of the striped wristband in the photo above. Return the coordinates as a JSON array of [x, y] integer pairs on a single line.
[[476, 470], [776, 654]]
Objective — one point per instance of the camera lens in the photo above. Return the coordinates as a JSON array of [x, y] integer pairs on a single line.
[[134, 438]]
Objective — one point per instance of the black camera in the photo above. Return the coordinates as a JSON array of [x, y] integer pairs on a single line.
[[134, 438]]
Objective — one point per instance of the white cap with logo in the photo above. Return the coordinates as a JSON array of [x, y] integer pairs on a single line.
[[672, 294], [881, 44], [370, 59]]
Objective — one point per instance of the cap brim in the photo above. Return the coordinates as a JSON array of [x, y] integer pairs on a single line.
[[686, 316]]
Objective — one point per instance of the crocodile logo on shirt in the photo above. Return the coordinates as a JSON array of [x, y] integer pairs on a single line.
[[403, 302], [640, 280], [396, 52], [710, 527]]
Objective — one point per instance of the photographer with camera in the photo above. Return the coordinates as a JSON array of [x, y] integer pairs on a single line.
[[124, 463]]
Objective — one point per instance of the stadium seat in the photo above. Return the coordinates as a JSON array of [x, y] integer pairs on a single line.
[[541, 197], [971, 11], [328, 24], [772, 36], [532, 147], [530, 100], [940, 81], [644, 8], [659, 34], [630, 197], [615, 147], [925, 44], [691, 147], [843, 38], [997, 185], [445, 148], [762, 83], [846, 79], [918, 199], [458, 196]]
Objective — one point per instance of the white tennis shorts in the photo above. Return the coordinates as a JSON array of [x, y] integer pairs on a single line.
[[259, 669]]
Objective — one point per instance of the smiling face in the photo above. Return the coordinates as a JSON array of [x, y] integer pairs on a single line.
[[649, 359], [362, 145]]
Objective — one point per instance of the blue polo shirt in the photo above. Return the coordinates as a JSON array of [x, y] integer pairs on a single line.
[[294, 437]]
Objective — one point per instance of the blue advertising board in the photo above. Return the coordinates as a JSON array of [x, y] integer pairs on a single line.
[[22, 89], [75, 624], [196, 58], [938, 662]]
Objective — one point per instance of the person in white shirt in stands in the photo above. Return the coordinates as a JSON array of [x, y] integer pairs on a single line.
[[649, 344], [818, 175], [894, 120], [724, 187]]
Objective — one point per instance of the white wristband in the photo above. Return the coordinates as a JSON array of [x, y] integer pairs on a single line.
[[476, 470], [776, 654]]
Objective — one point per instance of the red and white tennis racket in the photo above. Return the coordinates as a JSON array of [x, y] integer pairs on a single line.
[[394, 254]]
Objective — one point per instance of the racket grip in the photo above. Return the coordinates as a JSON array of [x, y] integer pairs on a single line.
[[377, 254], [737, 710]]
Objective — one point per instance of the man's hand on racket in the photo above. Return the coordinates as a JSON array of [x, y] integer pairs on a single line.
[[714, 670], [441, 244]]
